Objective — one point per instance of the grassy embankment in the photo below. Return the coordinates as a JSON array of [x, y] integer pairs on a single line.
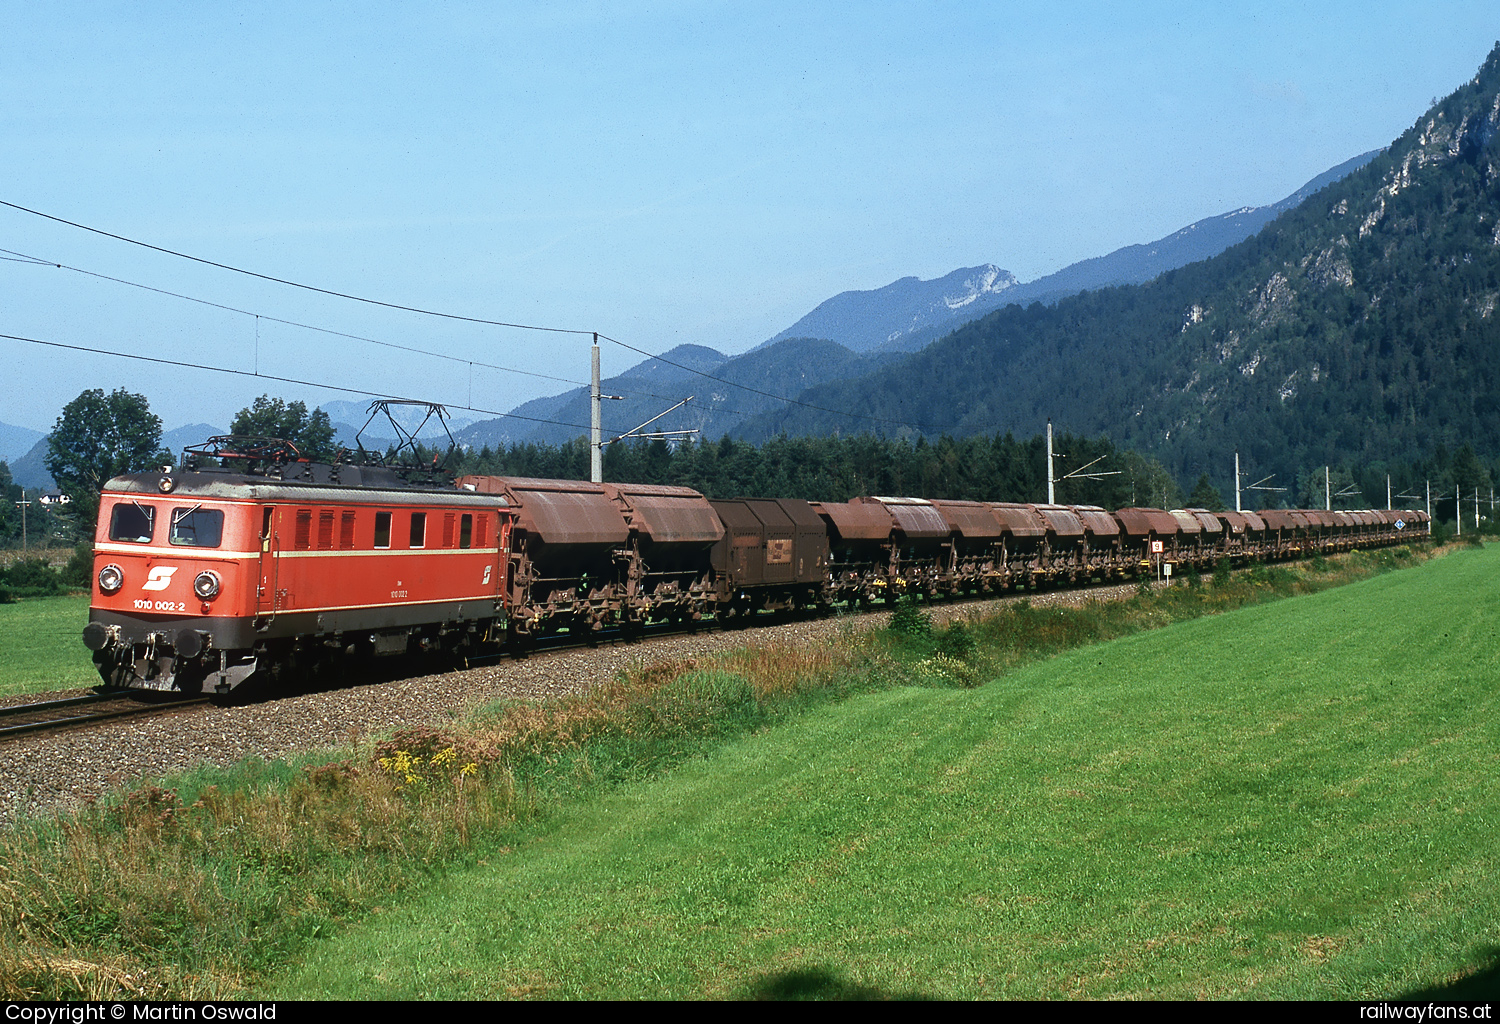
[[1291, 800]]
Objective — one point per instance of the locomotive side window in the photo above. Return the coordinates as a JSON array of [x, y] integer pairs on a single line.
[[197, 527], [346, 530], [418, 529], [131, 521], [382, 529], [466, 530]]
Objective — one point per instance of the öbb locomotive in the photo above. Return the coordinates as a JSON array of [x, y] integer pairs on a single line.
[[220, 571]]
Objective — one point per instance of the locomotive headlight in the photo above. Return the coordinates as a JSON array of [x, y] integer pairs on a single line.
[[111, 578], [206, 585]]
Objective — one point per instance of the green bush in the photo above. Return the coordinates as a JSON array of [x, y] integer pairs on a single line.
[[957, 641], [909, 621], [78, 573], [31, 577]]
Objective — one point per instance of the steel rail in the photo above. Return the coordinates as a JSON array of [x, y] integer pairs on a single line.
[[61, 714]]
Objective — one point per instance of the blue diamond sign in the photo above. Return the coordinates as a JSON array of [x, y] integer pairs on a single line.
[[1400, 524]]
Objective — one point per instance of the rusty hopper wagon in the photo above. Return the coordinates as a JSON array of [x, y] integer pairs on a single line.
[[587, 556]]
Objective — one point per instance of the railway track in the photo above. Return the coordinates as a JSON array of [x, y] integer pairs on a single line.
[[96, 708], [89, 709]]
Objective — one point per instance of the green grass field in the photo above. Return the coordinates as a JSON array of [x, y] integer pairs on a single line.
[[41, 645], [1295, 800]]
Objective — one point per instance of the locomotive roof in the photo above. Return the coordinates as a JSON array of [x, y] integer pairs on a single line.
[[304, 482]]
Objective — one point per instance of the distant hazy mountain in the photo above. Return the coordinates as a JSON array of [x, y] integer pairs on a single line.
[[30, 470], [678, 364], [194, 433], [15, 442], [763, 376], [903, 310], [558, 418]]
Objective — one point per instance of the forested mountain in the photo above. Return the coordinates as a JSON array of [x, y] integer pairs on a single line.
[[1200, 240], [1359, 328]]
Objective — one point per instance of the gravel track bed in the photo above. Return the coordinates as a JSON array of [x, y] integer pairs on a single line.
[[45, 773]]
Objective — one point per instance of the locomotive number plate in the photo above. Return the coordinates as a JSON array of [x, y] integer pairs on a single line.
[[159, 606]]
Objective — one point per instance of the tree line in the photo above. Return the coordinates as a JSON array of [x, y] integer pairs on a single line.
[[99, 436]]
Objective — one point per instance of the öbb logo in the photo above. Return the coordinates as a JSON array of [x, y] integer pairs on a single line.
[[159, 578]]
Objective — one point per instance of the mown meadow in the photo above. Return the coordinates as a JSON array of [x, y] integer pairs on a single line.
[[41, 645], [1265, 798]]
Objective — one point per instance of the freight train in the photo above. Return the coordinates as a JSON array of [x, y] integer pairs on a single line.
[[226, 569]]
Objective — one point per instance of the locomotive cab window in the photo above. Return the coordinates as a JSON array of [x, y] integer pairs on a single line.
[[132, 521], [197, 527], [418, 530], [382, 529]]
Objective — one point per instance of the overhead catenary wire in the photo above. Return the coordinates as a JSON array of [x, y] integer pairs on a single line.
[[183, 364], [30, 260], [438, 313], [38, 261], [285, 281]]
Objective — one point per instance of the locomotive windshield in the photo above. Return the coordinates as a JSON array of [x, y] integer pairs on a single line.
[[197, 527], [131, 521]]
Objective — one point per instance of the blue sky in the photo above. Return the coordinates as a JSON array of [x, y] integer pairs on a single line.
[[659, 172]]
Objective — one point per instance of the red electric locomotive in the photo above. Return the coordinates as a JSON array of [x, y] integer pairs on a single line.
[[205, 575]]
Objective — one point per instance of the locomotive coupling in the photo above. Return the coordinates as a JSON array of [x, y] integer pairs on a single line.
[[97, 636]]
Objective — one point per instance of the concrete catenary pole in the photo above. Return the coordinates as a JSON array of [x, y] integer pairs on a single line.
[[1051, 493], [596, 432]]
